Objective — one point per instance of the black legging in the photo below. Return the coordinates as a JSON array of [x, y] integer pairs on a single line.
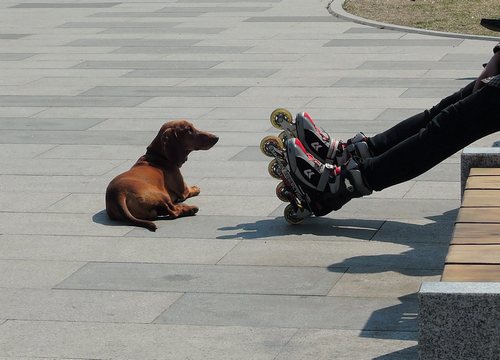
[[422, 141]]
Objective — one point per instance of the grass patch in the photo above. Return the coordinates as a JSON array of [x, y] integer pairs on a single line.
[[458, 16]]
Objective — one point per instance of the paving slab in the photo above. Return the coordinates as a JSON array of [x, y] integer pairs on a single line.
[[87, 340], [350, 344], [21, 274], [293, 311], [84, 306], [202, 278]]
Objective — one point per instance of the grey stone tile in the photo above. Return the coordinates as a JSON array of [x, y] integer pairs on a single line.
[[25, 123], [78, 204], [12, 36], [57, 224], [85, 101], [144, 14], [77, 137], [209, 73], [397, 114], [160, 30], [57, 167], [386, 283], [434, 92], [123, 152], [235, 205], [153, 91], [83, 306], [292, 311], [293, 19], [350, 344], [369, 30], [15, 56], [338, 252], [413, 65], [114, 249], [26, 202], [202, 278], [216, 9], [393, 42], [402, 82], [117, 24], [21, 274], [478, 58], [49, 339], [53, 183], [66, 5], [445, 171], [183, 50], [246, 227], [225, 1], [22, 151], [132, 42], [434, 230], [434, 190], [250, 153], [123, 64]]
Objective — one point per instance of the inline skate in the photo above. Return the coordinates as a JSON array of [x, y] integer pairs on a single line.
[[316, 140], [311, 186]]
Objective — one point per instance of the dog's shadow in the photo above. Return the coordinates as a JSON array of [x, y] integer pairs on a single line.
[[102, 218]]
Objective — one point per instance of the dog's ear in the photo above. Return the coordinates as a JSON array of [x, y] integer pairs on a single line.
[[172, 148]]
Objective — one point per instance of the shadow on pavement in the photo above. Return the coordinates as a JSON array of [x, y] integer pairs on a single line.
[[267, 228]]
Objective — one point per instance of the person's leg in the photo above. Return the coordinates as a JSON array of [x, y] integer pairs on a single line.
[[452, 129], [382, 142]]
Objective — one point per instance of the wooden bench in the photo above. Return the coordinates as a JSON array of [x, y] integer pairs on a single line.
[[474, 253], [459, 316]]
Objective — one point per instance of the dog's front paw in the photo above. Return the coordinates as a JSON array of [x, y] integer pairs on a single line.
[[194, 210], [194, 191]]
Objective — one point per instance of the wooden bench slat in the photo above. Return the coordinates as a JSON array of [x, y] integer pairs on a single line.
[[478, 273], [483, 182], [473, 254], [481, 198], [478, 215], [484, 171], [476, 234]]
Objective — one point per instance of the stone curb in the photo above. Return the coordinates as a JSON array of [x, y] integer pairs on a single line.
[[335, 7]]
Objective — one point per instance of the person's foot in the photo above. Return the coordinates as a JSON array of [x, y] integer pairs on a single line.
[[491, 24]]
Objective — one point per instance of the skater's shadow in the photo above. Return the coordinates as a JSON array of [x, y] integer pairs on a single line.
[[418, 248], [323, 227]]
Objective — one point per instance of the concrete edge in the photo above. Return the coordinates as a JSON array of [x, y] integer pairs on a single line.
[[486, 157], [335, 7], [464, 288]]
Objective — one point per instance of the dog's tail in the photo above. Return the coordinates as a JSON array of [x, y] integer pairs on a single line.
[[121, 207]]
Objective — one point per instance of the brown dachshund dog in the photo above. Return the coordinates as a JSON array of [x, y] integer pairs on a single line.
[[154, 186]]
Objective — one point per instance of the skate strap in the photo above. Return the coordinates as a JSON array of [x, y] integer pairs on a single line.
[[328, 171], [325, 176], [330, 156]]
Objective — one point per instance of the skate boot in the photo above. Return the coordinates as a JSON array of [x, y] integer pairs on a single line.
[[287, 190], [316, 140], [311, 187], [328, 187]]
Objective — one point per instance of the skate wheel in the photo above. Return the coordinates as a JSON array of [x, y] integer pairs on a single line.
[[283, 136], [269, 141], [291, 216], [274, 169], [279, 115], [280, 192]]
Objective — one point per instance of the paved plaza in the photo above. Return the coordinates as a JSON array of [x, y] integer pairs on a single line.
[[84, 87]]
